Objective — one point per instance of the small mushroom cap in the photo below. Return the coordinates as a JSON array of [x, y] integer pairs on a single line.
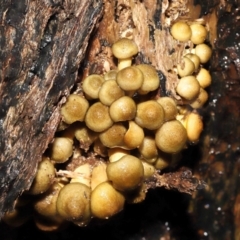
[[99, 175], [126, 174], [61, 149], [110, 92], [73, 202], [200, 100], [187, 68], [44, 177], [204, 52], [113, 136], [110, 75], [194, 126], [181, 31], [169, 107], [199, 33], [188, 87], [116, 153], [82, 174], [106, 201], [130, 78], [150, 115], [74, 109], [163, 160], [195, 59], [149, 169], [98, 118], [91, 85], [148, 148], [134, 136], [123, 109], [171, 137], [204, 78], [124, 48], [46, 203], [150, 78]]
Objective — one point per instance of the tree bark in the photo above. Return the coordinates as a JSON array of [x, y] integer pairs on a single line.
[[42, 44]]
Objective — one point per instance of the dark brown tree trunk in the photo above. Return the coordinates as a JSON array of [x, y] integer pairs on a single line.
[[42, 44]]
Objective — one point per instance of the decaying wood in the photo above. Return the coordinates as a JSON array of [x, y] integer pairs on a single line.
[[42, 44]]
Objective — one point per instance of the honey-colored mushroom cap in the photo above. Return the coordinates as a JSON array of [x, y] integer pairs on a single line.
[[73, 202], [181, 31], [200, 100], [126, 173], [188, 87], [204, 52], [150, 115], [44, 177], [130, 78], [186, 68], [169, 107], [171, 137], [74, 109], [110, 92], [199, 33], [195, 59], [106, 201], [204, 78], [123, 109], [98, 118], [150, 79], [91, 85]]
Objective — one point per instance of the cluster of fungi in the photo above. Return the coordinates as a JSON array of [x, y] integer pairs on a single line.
[[133, 133]]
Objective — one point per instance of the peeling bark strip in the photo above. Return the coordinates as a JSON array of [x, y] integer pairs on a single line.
[[42, 44]]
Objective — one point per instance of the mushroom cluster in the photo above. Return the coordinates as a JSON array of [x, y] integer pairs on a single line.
[[120, 120]]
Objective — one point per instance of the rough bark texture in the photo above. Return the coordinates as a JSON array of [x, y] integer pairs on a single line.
[[42, 44]]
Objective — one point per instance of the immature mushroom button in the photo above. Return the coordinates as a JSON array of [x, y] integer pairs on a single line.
[[150, 115], [124, 49], [74, 109], [199, 33], [169, 107], [130, 78], [91, 85], [187, 68], [195, 59], [110, 92], [148, 148], [200, 100], [126, 173], [122, 109], [98, 118], [150, 79], [204, 78], [171, 137], [204, 52], [188, 87], [181, 31], [106, 201]]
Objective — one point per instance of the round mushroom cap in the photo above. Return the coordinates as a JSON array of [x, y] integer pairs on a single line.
[[123, 109], [181, 31], [110, 92], [150, 78], [134, 136], [110, 75], [188, 87], [73, 202], [74, 109], [204, 78], [113, 136], [46, 203], [98, 118], [194, 126], [187, 68], [126, 174], [200, 100], [124, 48], [106, 201], [130, 78], [171, 137], [199, 33], [204, 52], [91, 85], [150, 115], [61, 149], [148, 149], [44, 177], [195, 59], [169, 107]]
